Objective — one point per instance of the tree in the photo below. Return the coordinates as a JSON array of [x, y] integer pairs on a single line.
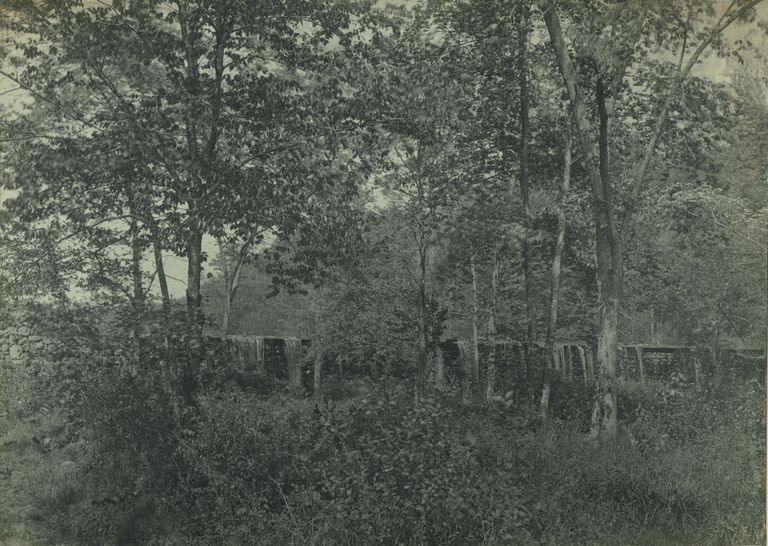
[[224, 103], [611, 64], [554, 298]]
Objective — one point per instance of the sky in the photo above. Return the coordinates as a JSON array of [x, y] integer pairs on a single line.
[[716, 68]]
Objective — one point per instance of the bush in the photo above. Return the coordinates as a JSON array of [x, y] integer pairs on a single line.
[[368, 473]]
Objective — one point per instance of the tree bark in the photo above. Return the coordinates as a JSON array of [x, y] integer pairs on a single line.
[[554, 287]]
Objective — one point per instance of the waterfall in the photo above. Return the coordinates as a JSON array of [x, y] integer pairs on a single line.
[[561, 361], [583, 359], [464, 361], [259, 342], [240, 345], [591, 365], [292, 356], [248, 352]]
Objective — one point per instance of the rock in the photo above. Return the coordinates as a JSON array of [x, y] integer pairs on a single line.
[[16, 352], [24, 331]]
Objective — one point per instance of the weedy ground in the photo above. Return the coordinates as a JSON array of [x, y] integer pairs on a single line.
[[369, 466]]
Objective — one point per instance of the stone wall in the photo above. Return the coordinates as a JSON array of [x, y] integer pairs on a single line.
[[19, 340]]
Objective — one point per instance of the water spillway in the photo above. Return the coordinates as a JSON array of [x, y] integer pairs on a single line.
[[574, 361]]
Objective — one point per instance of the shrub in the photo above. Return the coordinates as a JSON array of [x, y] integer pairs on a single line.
[[370, 473]]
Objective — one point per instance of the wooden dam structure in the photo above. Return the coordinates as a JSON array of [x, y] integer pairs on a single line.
[[283, 359]]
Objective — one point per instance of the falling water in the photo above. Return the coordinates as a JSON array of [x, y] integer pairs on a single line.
[[292, 356], [466, 368], [249, 352], [464, 361], [561, 360], [259, 343], [583, 359]]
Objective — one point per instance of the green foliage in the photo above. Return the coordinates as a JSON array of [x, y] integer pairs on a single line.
[[367, 472]]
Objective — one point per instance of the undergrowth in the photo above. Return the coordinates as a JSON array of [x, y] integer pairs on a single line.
[[369, 466]]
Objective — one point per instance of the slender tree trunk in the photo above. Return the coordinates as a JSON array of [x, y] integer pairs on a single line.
[[421, 363], [227, 303], [475, 380], [169, 371], [530, 296], [608, 242], [490, 388], [165, 295], [554, 287], [194, 316], [137, 299], [231, 281]]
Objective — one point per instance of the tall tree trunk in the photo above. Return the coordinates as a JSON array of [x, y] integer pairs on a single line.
[[162, 279], [490, 388], [475, 379], [137, 299], [169, 372], [610, 278], [554, 287], [609, 245], [227, 303], [421, 362], [530, 296], [194, 326]]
